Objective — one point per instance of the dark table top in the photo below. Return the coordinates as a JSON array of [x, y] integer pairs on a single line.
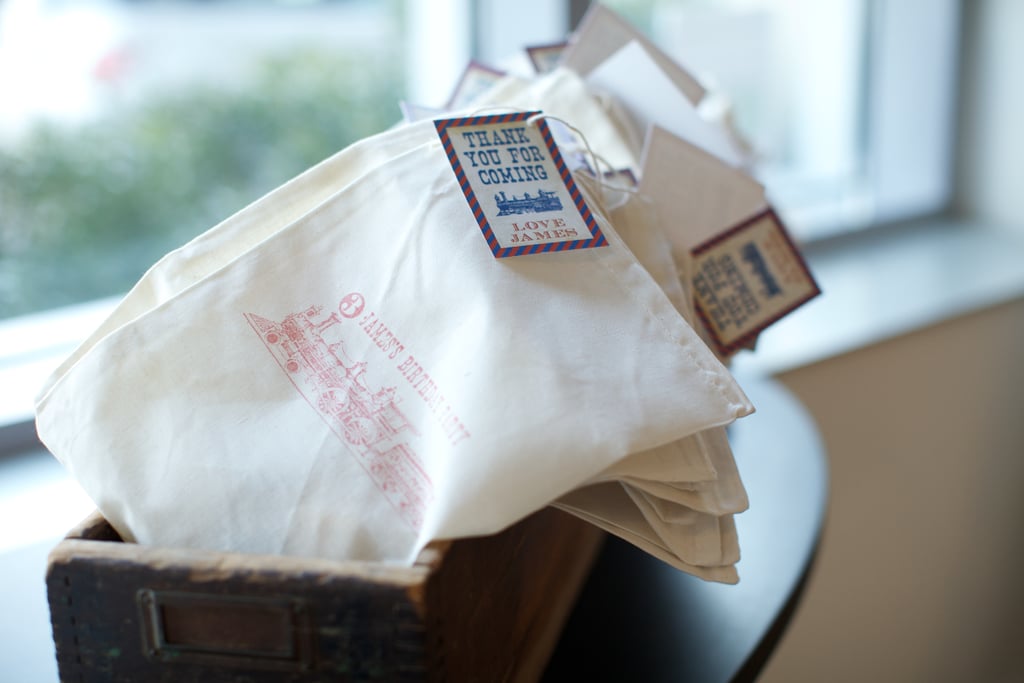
[[638, 619]]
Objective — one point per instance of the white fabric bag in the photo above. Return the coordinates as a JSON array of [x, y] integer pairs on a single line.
[[609, 507], [694, 537], [369, 378], [704, 459], [685, 491]]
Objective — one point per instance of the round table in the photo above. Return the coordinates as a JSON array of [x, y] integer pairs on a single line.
[[638, 619]]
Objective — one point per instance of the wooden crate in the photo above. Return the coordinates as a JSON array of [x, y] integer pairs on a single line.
[[482, 609]]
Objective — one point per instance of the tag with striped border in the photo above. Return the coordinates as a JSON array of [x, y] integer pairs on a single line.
[[517, 184], [747, 278]]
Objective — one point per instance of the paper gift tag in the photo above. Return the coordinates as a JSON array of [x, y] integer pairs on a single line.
[[476, 79], [602, 32], [517, 184], [640, 85], [747, 278], [411, 113], [716, 195], [546, 58]]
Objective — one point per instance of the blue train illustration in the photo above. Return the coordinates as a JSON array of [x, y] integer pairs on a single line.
[[543, 202]]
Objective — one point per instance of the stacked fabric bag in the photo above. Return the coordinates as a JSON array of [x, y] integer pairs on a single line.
[[345, 369]]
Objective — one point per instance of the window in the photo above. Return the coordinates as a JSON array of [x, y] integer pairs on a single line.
[[849, 103], [155, 120], [130, 127]]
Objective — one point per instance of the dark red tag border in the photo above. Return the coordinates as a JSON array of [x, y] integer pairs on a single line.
[[747, 339]]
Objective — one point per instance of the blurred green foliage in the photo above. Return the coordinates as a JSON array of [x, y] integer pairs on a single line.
[[84, 210]]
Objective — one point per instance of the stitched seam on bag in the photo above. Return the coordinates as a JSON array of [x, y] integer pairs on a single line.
[[687, 345], [710, 376], [707, 371]]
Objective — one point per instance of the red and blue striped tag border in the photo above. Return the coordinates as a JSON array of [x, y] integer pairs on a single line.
[[597, 238]]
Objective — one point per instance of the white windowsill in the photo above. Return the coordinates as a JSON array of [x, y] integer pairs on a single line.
[[890, 282], [875, 286]]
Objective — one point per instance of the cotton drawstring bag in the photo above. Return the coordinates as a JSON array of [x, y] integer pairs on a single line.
[[369, 378], [609, 507]]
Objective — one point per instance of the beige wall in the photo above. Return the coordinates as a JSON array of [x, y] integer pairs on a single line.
[[920, 574]]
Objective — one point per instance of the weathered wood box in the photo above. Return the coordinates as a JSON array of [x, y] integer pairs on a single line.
[[482, 609]]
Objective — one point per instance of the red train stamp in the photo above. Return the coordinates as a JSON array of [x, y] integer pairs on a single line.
[[367, 419]]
